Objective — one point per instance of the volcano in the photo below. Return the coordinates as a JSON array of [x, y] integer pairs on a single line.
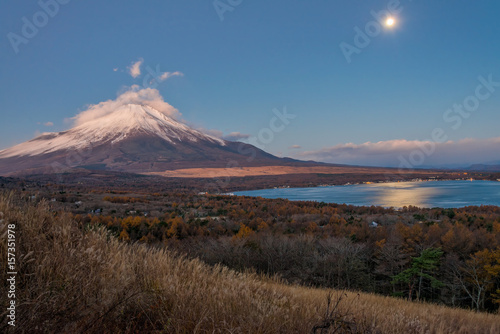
[[133, 138]]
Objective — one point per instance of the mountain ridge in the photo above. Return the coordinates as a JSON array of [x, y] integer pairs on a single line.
[[133, 138], [130, 119]]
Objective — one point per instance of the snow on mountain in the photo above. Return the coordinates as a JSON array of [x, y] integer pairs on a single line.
[[132, 138], [125, 122]]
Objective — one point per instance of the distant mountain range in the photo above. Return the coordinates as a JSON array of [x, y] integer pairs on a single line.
[[490, 167], [485, 167], [133, 138]]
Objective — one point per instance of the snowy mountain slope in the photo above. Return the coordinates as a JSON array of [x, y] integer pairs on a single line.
[[129, 120], [132, 138]]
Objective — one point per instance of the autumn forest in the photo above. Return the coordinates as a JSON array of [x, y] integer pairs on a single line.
[[444, 256]]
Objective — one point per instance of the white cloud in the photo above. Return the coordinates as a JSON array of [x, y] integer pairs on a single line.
[[392, 153], [48, 124], [135, 68], [235, 136], [165, 75], [295, 147], [146, 96], [115, 70]]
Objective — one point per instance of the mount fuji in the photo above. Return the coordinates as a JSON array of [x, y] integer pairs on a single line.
[[133, 138]]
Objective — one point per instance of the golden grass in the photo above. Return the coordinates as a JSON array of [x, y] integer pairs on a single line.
[[75, 280], [274, 170]]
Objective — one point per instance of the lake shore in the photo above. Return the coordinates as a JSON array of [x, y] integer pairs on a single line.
[[420, 193]]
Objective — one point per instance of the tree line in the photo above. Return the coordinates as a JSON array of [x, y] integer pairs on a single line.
[[449, 256]]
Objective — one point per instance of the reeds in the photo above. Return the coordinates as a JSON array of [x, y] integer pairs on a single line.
[[75, 279]]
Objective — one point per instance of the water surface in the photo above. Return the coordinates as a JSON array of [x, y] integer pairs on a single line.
[[445, 194]]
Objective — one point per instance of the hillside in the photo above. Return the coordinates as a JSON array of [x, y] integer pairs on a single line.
[[78, 279], [133, 138]]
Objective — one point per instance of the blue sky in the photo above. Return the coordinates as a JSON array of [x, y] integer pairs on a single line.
[[262, 55]]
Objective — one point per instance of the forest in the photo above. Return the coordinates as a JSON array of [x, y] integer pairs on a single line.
[[445, 256], [448, 256], [76, 276]]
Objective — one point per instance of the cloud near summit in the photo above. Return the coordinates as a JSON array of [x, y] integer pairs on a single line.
[[135, 95], [135, 68]]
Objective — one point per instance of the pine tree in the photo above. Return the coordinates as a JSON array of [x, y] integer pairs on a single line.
[[422, 267]]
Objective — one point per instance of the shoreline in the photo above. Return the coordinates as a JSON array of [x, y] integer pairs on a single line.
[[239, 193]]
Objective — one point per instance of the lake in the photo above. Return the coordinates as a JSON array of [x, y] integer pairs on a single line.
[[428, 194]]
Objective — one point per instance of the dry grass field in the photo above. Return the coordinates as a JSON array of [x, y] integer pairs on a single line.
[[75, 279], [279, 170]]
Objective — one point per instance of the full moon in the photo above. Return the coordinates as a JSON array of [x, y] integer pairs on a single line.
[[390, 22]]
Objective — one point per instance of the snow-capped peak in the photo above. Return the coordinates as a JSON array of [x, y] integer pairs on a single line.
[[126, 121]]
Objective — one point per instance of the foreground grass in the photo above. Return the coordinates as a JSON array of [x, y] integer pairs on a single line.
[[83, 281]]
